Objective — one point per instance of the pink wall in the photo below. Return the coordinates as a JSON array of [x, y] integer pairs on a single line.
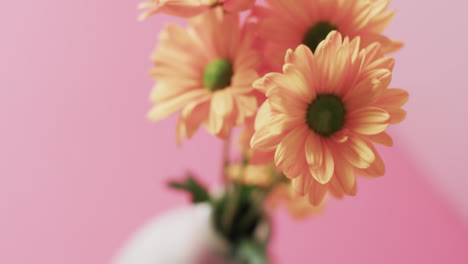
[[81, 167]]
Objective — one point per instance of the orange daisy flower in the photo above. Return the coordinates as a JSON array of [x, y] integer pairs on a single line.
[[190, 8], [286, 24], [325, 111], [205, 74]]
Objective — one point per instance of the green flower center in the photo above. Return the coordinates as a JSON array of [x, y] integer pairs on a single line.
[[317, 33], [218, 74], [326, 114]]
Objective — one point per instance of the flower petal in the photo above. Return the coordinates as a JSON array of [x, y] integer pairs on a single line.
[[388, 45], [247, 107], [264, 115], [317, 193], [267, 137], [167, 108], [243, 80], [180, 8], [191, 118], [222, 103], [393, 97], [290, 147], [368, 120], [381, 138], [319, 158], [344, 173], [377, 168], [284, 101], [324, 173], [298, 84], [238, 5], [314, 151], [269, 81], [303, 58], [302, 184], [335, 189], [397, 115], [364, 93], [357, 152]]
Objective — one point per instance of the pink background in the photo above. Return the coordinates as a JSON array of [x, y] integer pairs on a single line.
[[81, 167]]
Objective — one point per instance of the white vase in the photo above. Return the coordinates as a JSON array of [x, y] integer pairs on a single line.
[[180, 236]]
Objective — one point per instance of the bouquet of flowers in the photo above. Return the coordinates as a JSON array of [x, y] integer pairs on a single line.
[[308, 82]]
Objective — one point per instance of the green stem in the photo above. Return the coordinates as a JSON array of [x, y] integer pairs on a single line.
[[231, 207], [226, 151]]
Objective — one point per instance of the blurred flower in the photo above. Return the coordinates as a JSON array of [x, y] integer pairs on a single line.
[[323, 113], [259, 175], [298, 206], [190, 8], [267, 177], [286, 24], [205, 73]]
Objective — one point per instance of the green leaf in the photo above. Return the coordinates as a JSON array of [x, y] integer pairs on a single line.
[[197, 190], [252, 252]]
